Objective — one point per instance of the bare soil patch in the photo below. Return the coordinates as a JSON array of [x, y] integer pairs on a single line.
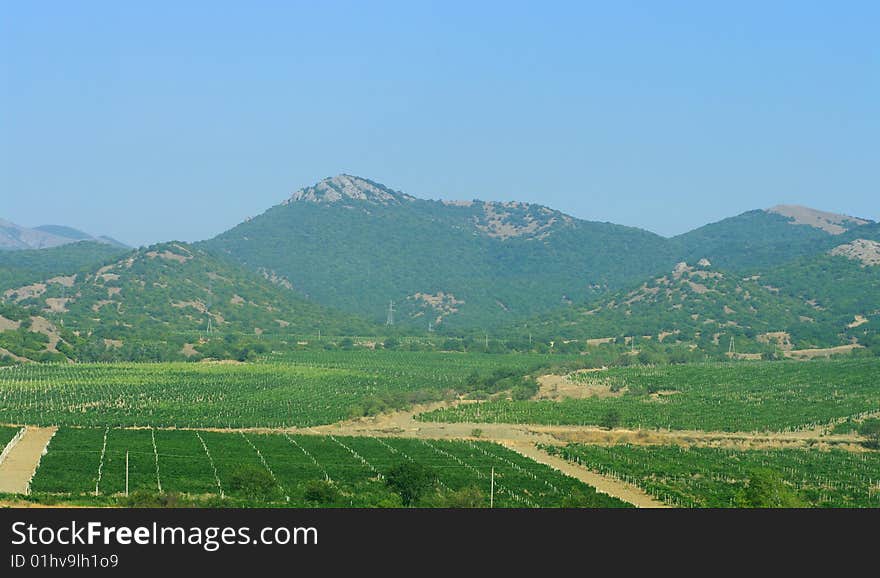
[[57, 304], [821, 352], [44, 326], [857, 321], [781, 338], [26, 292], [61, 280], [8, 324], [559, 387]]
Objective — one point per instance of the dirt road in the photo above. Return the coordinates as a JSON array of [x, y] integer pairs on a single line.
[[23, 459], [605, 484]]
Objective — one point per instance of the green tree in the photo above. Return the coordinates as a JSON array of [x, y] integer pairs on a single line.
[[320, 491], [611, 419], [411, 480], [766, 489], [870, 428], [251, 481]]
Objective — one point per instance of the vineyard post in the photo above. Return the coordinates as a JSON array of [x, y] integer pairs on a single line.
[[492, 489], [126, 473]]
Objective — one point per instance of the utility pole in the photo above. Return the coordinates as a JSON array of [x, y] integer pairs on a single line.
[[487, 340], [390, 319], [492, 490], [126, 473], [731, 350], [210, 330]]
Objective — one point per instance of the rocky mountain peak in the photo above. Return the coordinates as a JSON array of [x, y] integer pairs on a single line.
[[832, 223], [342, 188]]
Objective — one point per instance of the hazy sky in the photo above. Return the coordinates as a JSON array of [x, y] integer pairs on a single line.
[[158, 120]]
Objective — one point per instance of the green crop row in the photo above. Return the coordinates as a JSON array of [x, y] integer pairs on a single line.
[[92, 461], [725, 478], [310, 388]]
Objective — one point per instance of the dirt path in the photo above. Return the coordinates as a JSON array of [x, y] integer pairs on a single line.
[[23, 460], [605, 484]]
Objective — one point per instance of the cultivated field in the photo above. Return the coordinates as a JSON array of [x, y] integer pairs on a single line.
[[92, 461], [735, 396], [302, 430], [306, 389], [716, 478]]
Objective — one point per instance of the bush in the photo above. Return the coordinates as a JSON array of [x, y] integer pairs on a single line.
[[870, 428], [411, 481], [251, 481], [765, 489], [321, 492], [469, 497], [610, 420]]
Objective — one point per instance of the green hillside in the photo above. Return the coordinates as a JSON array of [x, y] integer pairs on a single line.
[[19, 268], [758, 240], [355, 245], [703, 307], [845, 281], [167, 301]]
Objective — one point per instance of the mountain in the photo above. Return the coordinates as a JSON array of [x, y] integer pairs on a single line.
[[760, 239], [27, 266], [16, 237], [77, 235], [699, 305], [844, 281], [172, 297], [356, 245]]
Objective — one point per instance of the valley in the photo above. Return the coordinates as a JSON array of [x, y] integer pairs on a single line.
[[357, 346]]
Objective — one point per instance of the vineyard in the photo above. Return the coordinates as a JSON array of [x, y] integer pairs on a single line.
[[6, 435], [92, 461], [130, 429], [740, 396], [715, 477], [307, 388]]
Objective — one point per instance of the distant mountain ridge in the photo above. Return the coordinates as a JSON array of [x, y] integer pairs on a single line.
[[348, 252], [16, 237]]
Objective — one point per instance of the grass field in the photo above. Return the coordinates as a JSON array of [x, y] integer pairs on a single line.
[[83, 461], [739, 396], [308, 388], [715, 477]]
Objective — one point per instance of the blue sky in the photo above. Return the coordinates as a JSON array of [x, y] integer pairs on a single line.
[[158, 120]]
